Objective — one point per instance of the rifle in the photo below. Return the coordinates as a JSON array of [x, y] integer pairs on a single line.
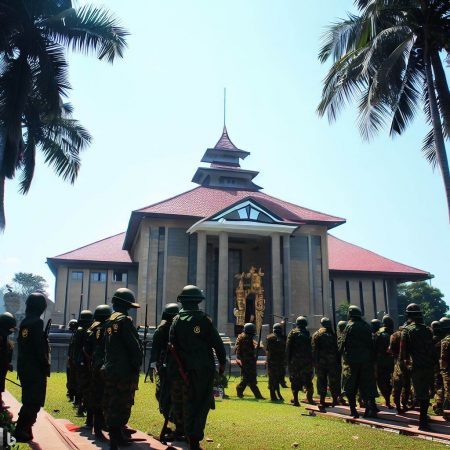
[[13, 382], [176, 356], [145, 338], [47, 328]]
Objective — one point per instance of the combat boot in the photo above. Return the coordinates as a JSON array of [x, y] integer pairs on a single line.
[[283, 384], [280, 397], [257, 392], [239, 391], [424, 424], [322, 403], [116, 438], [387, 401], [309, 398], [273, 397], [194, 444], [335, 401], [295, 401], [353, 410], [371, 409], [98, 424]]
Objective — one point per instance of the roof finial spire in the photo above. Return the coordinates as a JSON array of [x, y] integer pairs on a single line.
[[224, 107]]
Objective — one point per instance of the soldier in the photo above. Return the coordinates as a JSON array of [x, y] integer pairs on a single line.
[[356, 347], [384, 359], [416, 352], [438, 388], [7, 326], [300, 361], [33, 365], [276, 361], [375, 325], [70, 369], [82, 365], [94, 350], [401, 378], [121, 367], [246, 360], [192, 340], [326, 361], [168, 394], [339, 330], [445, 362]]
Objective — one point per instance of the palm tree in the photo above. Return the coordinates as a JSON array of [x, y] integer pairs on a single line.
[[388, 56], [34, 37]]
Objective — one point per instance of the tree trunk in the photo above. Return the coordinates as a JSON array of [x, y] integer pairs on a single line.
[[2, 204], [441, 154], [443, 93]]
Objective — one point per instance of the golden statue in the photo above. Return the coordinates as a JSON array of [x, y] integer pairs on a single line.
[[250, 302]]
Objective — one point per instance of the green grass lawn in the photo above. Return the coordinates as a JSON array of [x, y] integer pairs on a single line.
[[249, 424]]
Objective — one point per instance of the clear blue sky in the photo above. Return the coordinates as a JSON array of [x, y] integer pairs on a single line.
[[154, 113]]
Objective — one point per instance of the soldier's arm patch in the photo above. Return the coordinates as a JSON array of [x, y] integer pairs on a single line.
[[25, 332], [197, 329]]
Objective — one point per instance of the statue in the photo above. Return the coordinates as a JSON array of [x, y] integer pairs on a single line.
[[250, 302]]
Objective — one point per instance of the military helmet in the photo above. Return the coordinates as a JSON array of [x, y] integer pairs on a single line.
[[388, 321], [354, 311], [301, 321], [413, 310], [375, 325], [191, 293], [445, 323], [102, 312], [170, 311], [325, 322], [250, 328], [36, 303], [277, 328], [125, 296], [341, 325], [8, 321], [436, 325], [73, 324], [85, 316]]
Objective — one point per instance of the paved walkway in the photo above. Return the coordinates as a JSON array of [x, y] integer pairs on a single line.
[[60, 434]]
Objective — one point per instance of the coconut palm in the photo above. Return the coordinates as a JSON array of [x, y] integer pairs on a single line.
[[34, 37], [389, 57]]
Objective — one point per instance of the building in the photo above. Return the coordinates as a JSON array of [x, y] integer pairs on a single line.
[[232, 240]]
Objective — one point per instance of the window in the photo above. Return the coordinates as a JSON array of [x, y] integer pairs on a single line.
[[120, 277], [98, 276], [77, 275]]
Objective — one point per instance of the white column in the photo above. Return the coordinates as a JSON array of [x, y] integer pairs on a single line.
[[276, 276], [222, 307], [201, 259], [287, 274]]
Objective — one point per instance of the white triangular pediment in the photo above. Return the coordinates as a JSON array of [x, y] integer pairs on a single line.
[[246, 210]]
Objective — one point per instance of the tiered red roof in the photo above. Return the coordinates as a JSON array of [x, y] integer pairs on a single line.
[[224, 143], [106, 250], [203, 202], [343, 257]]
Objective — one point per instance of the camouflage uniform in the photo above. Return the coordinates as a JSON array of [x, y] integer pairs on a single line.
[[300, 362], [276, 360], [401, 377], [438, 386], [194, 339], [445, 370], [123, 358], [82, 368], [326, 360], [33, 365], [70, 369], [7, 326], [384, 363], [417, 352], [95, 349], [358, 372], [245, 353]]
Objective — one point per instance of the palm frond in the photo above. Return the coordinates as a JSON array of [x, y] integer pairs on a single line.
[[89, 29], [27, 164], [429, 149]]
